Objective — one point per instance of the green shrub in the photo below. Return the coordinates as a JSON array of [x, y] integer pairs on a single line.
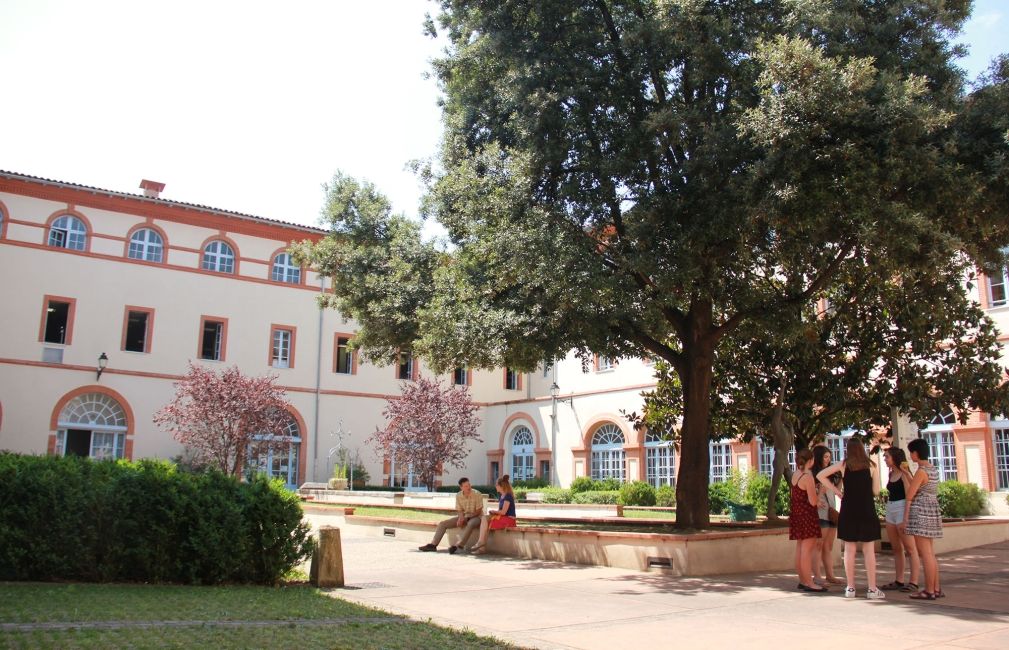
[[637, 493], [521, 493], [583, 484], [597, 497], [68, 518], [719, 494], [960, 499], [535, 482], [880, 502], [757, 487], [608, 484], [665, 496], [555, 495], [488, 490]]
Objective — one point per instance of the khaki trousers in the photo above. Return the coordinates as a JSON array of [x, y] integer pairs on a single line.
[[470, 525]]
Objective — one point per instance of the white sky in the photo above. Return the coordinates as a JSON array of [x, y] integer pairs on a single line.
[[246, 106]]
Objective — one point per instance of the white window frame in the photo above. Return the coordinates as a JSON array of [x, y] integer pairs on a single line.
[[721, 461], [284, 269], [1000, 450], [605, 364], [218, 257], [68, 232], [523, 457], [765, 458], [660, 460], [1001, 282], [512, 380], [345, 347], [280, 346], [146, 245], [464, 376], [409, 367], [98, 421], [268, 462], [608, 456]]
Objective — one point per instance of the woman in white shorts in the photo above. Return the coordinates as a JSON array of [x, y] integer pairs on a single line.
[[900, 541]]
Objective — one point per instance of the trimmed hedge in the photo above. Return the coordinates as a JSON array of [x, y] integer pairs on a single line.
[[606, 497], [555, 495], [960, 499], [488, 490], [68, 518]]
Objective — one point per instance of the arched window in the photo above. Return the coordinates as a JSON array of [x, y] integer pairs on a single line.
[[608, 453], [284, 269], [522, 455], [147, 245], [942, 445], [68, 232], [91, 425], [279, 458], [218, 256], [660, 459]]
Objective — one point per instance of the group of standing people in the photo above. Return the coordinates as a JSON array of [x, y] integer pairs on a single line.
[[913, 519]]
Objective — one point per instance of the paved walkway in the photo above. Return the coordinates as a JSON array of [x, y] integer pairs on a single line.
[[548, 605]]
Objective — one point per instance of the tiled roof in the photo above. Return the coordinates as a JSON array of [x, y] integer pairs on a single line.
[[141, 197]]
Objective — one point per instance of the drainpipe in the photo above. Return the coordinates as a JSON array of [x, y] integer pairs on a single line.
[[318, 386]]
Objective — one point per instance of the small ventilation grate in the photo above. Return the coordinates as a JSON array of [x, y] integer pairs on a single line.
[[660, 562], [389, 532]]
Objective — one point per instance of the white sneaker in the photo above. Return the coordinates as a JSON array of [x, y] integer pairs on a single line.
[[875, 594], [849, 592]]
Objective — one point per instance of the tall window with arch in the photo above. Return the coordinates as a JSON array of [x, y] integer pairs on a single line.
[[147, 245], [93, 426], [660, 459], [280, 458], [523, 458], [68, 232], [608, 453], [942, 445], [284, 269], [218, 257]]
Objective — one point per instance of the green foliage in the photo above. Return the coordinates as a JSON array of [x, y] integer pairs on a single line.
[[665, 496], [758, 487], [880, 503], [489, 490], [637, 493], [521, 493], [719, 496], [583, 484], [960, 499], [556, 495], [68, 518], [608, 484], [535, 483], [610, 497]]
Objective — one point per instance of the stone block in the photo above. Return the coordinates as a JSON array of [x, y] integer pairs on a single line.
[[327, 562]]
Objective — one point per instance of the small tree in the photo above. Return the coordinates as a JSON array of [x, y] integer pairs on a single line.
[[429, 426], [223, 418]]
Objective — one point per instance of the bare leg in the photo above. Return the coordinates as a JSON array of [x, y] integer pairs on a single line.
[[806, 547], [849, 563], [798, 560], [869, 557], [484, 531], [817, 558], [913, 559], [927, 558], [897, 544], [827, 553]]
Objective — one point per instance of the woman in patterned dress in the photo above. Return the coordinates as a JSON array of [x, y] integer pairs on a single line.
[[922, 517], [803, 523]]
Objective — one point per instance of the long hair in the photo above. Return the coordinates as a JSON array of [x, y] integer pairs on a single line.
[[857, 458], [802, 457], [819, 455], [504, 485], [897, 455]]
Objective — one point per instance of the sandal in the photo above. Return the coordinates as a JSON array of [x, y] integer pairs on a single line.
[[940, 594], [910, 587], [893, 586], [922, 595], [812, 590], [479, 549]]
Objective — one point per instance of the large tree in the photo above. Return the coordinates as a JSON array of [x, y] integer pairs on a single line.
[[646, 177], [428, 427], [224, 419]]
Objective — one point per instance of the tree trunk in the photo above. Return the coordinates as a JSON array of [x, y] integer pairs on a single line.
[[696, 377]]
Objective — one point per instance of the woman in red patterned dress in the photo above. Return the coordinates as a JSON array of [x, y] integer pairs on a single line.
[[803, 522]]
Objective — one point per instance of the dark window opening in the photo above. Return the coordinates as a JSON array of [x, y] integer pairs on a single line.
[[344, 356], [511, 379], [405, 367], [210, 346], [136, 331], [545, 469], [57, 321], [78, 443], [460, 377]]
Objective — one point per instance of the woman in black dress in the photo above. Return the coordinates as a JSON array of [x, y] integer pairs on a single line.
[[858, 523]]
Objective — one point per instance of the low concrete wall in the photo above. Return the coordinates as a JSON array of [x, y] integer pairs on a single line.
[[710, 553], [445, 501]]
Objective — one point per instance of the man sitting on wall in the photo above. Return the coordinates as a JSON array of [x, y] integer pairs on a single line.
[[469, 508]]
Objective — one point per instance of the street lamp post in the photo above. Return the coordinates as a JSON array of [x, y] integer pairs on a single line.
[[554, 391]]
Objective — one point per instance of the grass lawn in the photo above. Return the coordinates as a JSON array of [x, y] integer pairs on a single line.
[[649, 514], [159, 616]]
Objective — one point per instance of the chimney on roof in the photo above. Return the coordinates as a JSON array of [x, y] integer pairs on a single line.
[[152, 189]]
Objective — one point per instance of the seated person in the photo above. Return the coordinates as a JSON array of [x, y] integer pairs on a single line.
[[469, 507], [503, 517]]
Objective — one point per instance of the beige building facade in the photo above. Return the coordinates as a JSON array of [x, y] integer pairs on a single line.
[[152, 285]]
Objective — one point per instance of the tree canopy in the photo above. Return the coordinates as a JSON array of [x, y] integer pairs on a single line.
[[646, 177]]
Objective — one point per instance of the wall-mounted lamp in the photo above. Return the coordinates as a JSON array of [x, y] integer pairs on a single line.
[[102, 362]]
